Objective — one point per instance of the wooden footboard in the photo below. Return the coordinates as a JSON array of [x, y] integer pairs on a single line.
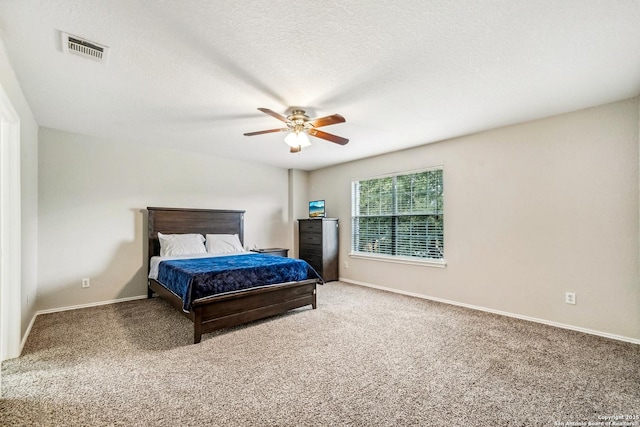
[[232, 309]]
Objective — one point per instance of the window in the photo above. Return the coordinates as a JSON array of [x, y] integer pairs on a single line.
[[399, 216]]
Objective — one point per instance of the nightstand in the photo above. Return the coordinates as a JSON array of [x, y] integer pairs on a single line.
[[272, 251]]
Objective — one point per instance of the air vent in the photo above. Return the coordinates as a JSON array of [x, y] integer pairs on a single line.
[[85, 48]]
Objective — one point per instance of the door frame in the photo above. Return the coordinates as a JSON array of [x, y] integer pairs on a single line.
[[10, 231]]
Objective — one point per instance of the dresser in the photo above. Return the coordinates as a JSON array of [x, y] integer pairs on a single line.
[[318, 242]]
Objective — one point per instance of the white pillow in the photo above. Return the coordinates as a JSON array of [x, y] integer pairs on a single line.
[[181, 244], [224, 244]]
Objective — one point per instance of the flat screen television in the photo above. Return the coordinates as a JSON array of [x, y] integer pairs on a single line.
[[316, 209]]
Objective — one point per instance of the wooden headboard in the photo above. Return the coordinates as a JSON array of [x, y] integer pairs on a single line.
[[183, 221]]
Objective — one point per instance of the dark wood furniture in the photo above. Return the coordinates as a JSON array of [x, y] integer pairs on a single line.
[[318, 240], [283, 252], [222, 311]]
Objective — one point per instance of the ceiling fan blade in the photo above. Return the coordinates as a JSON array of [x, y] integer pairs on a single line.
[[295, 149], [274, 114], [329, 137], [260, 132], [326, 121]]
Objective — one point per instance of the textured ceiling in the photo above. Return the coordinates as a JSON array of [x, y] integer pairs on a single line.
[[190, 74]]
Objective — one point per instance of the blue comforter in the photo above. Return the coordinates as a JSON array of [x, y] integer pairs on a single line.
[[195, 278]]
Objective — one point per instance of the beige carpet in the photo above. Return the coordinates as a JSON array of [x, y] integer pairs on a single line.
[[363, 358]]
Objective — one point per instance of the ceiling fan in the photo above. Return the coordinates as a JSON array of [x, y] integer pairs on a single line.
[[299, 125]]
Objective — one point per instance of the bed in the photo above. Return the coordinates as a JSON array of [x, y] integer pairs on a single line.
[[231, 308]]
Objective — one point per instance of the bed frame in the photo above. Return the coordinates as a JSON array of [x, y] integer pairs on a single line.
[[232, 309]]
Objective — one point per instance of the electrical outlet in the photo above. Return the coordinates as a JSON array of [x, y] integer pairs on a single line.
[[570, 298], [346, 264], [86, 282]]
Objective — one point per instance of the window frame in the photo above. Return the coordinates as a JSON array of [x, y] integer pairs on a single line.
[[411, 260]]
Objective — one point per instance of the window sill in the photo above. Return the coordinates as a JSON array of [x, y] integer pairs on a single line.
[[439, 263]]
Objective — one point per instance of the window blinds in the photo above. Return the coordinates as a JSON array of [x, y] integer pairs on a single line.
[[399, 215]]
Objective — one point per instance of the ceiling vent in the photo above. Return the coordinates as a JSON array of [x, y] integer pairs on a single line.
[[83, 47]]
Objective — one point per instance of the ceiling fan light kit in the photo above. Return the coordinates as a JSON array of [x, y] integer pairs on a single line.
[[297, 138], [299, 125]]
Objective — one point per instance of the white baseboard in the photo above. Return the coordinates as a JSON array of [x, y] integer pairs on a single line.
[[502, 313], [26, 334], [91, 304], [73, 307]]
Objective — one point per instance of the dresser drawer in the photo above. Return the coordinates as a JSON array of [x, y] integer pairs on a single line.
[[313, 226], [310, 238], [316, 263], [310, 250]]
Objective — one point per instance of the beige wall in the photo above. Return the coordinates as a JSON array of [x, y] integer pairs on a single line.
[[298, 207], [28, 189], [531, 211], [92, 196]]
